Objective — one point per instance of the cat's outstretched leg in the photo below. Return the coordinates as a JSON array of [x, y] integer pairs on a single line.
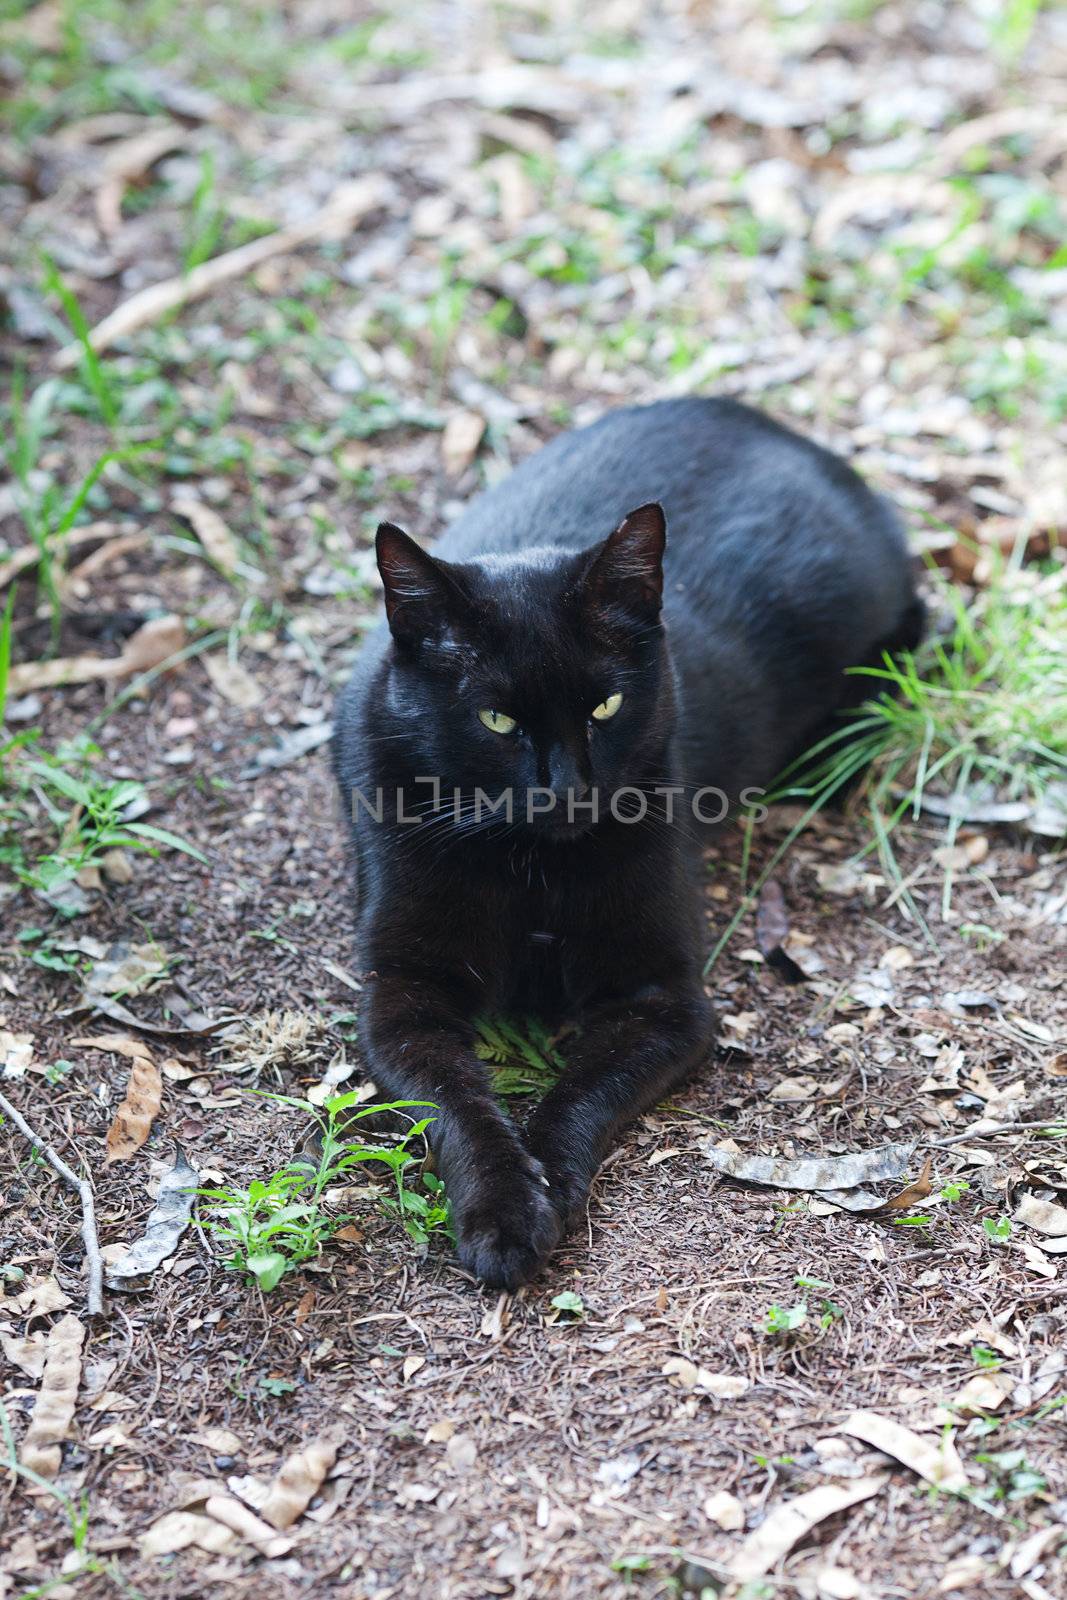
[[630, 1053], [419, 1045]]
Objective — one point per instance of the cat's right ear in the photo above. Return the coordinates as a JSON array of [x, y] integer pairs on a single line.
[[421, 597]]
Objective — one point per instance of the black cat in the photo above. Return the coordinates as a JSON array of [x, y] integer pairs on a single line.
[[523, 747]]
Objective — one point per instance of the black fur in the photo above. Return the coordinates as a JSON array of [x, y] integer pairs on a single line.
[[781, 570]]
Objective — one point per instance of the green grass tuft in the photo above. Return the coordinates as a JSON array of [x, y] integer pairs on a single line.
[[975, 718]]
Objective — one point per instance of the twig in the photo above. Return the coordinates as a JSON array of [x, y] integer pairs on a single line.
[[337, 217], [1000, 1127], [89, 1237]]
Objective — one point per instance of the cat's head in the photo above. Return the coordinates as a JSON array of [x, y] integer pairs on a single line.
[[542, 673]]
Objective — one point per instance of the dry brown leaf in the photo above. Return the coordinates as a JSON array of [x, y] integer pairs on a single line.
[[16, 1053], [687, 1375], [938, 1464], [219, 543], [794, 1090], [786, 1524], [1044, 1216], [149, 647], [28, 1354], [1036, 1260], [462, 435], [29, 555], [37, 1298], [179, 1529], [725, 1510], [986, 1391], [914, 1192], [134, 1117], [298, 1481], [240, 1520], [119, 1044], [220, 1441], [127, 160], [1027, 1554], [234, 682], [351, 201], [53, 1412]]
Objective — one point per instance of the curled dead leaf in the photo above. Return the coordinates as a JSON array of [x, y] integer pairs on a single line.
[[814, 1174], [53, 1412], [127, 161], [462, 435], [298, 1481], [687, 1375], [240, 1520], [146, 649], [219, 544], [177, 1530], [786, 1524], [938, 1463], [167, 1221], [134, 1117], [233, 681]]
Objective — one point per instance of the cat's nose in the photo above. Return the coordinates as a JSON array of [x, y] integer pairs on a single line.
[[565, 776]]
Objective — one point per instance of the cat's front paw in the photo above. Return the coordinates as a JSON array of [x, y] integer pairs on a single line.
[[506, 1230]]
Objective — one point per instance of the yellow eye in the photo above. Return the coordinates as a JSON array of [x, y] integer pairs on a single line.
[[497, 722], [607, 708]]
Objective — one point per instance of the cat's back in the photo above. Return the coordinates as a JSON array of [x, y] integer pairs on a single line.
[[757, 515], [710, 462], [578, 486]]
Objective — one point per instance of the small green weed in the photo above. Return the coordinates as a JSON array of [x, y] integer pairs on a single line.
[[274, 1226], [629, 1564], [32, 792], [524, 1060], [570, 1303], [47, 515], [207, 220], [94, 373], [276, 1387], [780, 1321], [94, 826], [1012, 1477], [785, 1319]]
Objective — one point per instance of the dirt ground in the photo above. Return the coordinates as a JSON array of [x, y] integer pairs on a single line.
[[845, 213]]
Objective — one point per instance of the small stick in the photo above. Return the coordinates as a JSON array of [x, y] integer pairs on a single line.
[[92, 1243], [350, 202], [1000, 1127]]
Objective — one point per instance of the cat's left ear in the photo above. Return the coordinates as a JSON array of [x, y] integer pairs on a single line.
[[422, 598], [625, 578]]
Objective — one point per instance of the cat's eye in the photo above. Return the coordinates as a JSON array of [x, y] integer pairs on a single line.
[[607, 708], [497, 721]]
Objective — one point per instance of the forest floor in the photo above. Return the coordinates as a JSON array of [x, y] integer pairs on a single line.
[[850, 214]]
